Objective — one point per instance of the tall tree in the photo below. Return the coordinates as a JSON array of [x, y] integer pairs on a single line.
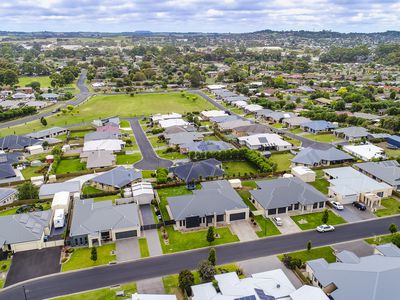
[[212, 256], [93, 254], [185, 281], [210, 235]]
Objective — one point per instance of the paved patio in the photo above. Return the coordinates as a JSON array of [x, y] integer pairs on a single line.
[[244, 230]]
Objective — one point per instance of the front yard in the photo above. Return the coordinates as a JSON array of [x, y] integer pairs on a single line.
[[180, 241], [267, 227], [392, 207], [170, 155], [128, 159], [144, 248], [315, 253], [380, 239], [312, 220], [80, 258]]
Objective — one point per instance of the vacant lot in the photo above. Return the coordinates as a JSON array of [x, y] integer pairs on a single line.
[[121, 105], [45, 82], [127, 159], [282, 160], [70, 166]]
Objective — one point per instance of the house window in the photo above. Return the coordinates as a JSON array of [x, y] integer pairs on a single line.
[[296, 206], [290, 207], [321, 204], [272, 211], [315, 205], [380, 194]]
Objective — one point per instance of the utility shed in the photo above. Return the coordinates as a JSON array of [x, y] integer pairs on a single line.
[[61, 200]]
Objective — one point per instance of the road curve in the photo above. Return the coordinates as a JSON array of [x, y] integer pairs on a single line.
[[72, 282]]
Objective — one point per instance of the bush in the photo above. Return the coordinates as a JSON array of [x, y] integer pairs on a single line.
[[291, 263]]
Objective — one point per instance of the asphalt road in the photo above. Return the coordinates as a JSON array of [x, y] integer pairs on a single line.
[[66, 283], [150, 160], [79, 98]]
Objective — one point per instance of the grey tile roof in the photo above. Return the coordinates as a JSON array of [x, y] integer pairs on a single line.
[[314, 156], [283, 192], [91, 217], [389, 250], [353, 131], [118, 177], [183, 137], [387, 171], [193, 170], [223, 119], [22, 228], [207, 146], [214, 197], [43, 133], [374, 277], [252, 129], [99, 159], [318, 125], [16, 142], [95, 136], [6, 171], [52, 188]]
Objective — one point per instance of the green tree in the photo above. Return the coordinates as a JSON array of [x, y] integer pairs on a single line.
[[212, 256], [210, 235], [396, 239], [325, 217], [27, 191], [206, 271], [43, 121], [309, 246], [195, 78], [185, 281], [93, 254], [393, 228]]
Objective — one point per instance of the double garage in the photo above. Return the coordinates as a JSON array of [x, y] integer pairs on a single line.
[[196, 221], [126, 234]]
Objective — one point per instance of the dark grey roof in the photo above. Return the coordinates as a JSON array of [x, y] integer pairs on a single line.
[[95, 136], [194, 170], [91, 217], [23, 228], [16, 142], [387, 171], [223, 119], [10, 157], [353, 131], [183, 137], [50, 189], [205, 146], [118, 177], [214, 197], [314, 156], [283, 192], [6, 171]]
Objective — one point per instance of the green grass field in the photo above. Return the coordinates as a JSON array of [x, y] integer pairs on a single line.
[[81, 258], [70, 166], [320, 183], [180, 241], [392, 207], [89, 190], [324, 137], [170, 155], [282, 160], [144, 248], [380, 239], [45, 82], [128, 159], [267, 227], [29, 172], [122, 105], [315, 219], [315, 253], [238, 167]]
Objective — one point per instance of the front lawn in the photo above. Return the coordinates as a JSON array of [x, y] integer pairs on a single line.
[[323, 137], [267, 227], [380, 239], [312, 220], [80, 258], [170, 155], [296, 130], [237, 168], [79, 134], [70, 166], [156, 142], [128, 159], [315, 253], [124, 124], [104, 294], [282, 160], [144, 248], [391, 207], [180, 241], [277, 125]]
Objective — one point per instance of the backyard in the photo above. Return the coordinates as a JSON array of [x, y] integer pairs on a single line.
[[128, 159], [320, 183], [237, 168], [282, 160], [70, 166], [315, 253], [80, 258], [391, 207], [312, 220], [29, 172], [324, 137]]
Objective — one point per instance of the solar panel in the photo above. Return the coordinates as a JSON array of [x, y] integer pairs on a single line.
[[252, 297], [260, 293]]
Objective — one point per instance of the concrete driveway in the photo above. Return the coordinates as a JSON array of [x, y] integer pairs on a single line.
[[352, 214], [147, 215], [244, 230], [127, 249], [34, 263], [289, 226], [153, 242]]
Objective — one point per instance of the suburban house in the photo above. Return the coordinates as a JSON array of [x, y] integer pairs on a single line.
[[352, 133], [142, 193], [48, 190], [109, 127], [216, 203], [50, 96], [230, 125], [321, 156], [275, 116], [318, 126], [366, 116], [98, 159], [250, 130], [295, 121], [180, 138], [251, 108], [304, 173], [365, 152], [224, 119], [95, 136], [22, 232], [10, 157], [7, 174], [112, 145], [393, 141], [207, 114], [95, 223], [268, 285], [205, 146], [348, 185], [265, 141], [383, 171], [17, 142], [116, 179], [285, 195], [48, 133], [197, 170], [7, 196], [371, 277], [172, 122]]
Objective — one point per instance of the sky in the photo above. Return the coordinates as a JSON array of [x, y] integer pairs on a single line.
[[199, 15]]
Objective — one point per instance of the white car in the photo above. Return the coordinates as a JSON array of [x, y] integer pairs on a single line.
[[277, 221], [337, 205], [325, 228]]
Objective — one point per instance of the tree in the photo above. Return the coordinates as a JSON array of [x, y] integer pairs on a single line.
[[27, 191], [396, 239], [393, 228], [93, 254], [210, 235], [43, 121], [195, 78], [206, 271], [212, 256], [185, 281], [309, 246], [325, 217]]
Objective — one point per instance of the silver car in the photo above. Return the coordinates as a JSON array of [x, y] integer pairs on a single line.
[[325, 228], [277, 221]]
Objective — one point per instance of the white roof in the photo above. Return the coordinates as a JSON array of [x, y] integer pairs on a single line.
[[172, 122], [60, 199], [34, 147], [253, 107], [366, 152], [261, 139], [308, 292], [142, 188], [213, 113], [109, 145], [159, 117], [301, 170], [215, 86], [240, 103]]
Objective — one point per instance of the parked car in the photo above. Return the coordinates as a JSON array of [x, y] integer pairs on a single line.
[[337, 205], [359, 205], [277, 221], [325, 228]]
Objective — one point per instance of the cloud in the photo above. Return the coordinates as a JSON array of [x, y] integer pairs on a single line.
[[199, 15]]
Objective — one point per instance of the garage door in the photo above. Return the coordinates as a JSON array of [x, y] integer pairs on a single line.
[[238, 216], [126, 234]]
